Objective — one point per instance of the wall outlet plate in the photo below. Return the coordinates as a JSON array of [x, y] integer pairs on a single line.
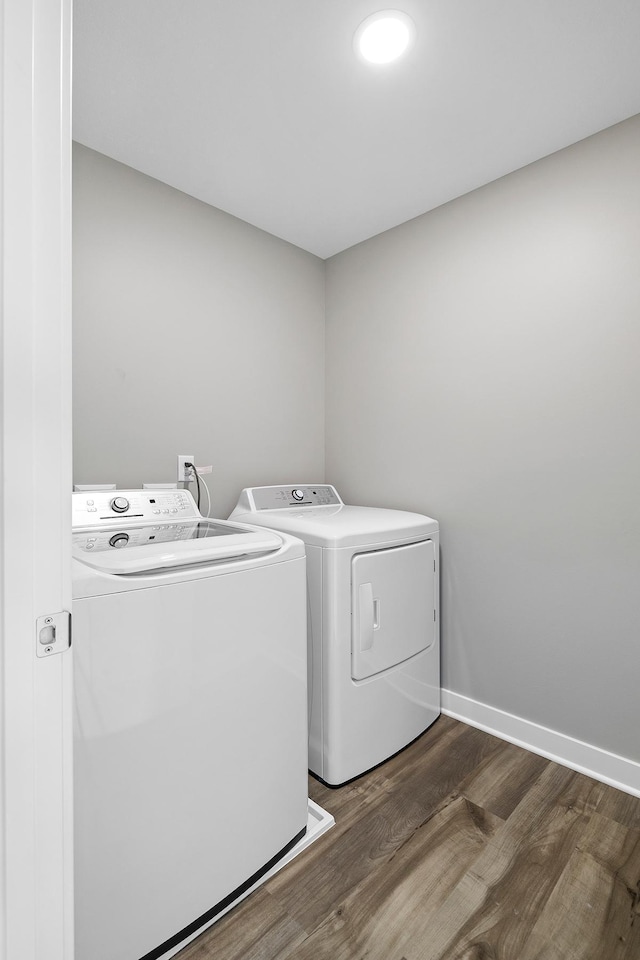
[[185, 474]]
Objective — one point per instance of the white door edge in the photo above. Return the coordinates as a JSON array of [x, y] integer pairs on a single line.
[[36, 825]]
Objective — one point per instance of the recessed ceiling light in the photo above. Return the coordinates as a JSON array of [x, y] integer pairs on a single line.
[[384, 36]]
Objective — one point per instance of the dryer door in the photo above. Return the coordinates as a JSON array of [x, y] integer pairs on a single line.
[[392, 604]]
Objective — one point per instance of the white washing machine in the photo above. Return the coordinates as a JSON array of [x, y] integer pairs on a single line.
[[373, 594], [189, 644]]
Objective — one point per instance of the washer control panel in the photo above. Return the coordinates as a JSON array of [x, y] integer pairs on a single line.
[[303, 495], [92, 507], [103, 538]]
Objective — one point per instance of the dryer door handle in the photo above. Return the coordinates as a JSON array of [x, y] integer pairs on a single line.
[[367, 615]]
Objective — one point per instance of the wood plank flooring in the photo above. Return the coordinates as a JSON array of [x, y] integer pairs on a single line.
[[462, 847]]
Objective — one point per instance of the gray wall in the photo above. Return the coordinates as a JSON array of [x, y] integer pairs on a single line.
[[193, 333], [483, 367]]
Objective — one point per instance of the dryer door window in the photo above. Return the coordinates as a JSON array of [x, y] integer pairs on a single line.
[[392, 605]]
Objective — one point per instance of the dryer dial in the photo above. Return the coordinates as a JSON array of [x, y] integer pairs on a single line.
[[297, 494], [120, 504]]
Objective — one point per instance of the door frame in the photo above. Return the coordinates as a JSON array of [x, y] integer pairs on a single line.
[[36, 786]]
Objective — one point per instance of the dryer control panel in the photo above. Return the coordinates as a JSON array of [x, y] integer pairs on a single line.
[[302, 495]]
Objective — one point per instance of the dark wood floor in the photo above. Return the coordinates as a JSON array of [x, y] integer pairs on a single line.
[[463, 847]]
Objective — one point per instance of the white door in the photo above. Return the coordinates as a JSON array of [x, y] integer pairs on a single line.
[[36, 884], [392, 597]]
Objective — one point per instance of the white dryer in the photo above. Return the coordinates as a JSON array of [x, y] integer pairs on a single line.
[[189, 645], [373, 622]]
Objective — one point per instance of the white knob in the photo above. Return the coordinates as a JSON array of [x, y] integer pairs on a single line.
[[120, 504], [297, 494], [119, 540]]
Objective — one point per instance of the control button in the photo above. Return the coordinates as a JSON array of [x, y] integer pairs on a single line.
[[165, 510], [92, 509], [173, 510], [120, 504], [90, 503], [297, 494], [119, 540], [156, 511]]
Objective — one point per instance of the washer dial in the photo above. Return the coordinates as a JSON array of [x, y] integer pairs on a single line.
[[119, 540], [297, 494], [120, 504]]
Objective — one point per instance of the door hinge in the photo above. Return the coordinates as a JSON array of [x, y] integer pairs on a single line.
[[53, 633]]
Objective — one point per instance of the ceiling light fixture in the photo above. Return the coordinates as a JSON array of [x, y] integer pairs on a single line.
[[384, 36]]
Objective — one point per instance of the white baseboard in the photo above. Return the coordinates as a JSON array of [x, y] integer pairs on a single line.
[[607, 767]]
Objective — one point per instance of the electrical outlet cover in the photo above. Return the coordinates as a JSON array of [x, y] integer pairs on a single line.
[[184, 474]]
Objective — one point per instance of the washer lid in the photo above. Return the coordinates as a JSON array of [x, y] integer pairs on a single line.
[[139, 548]]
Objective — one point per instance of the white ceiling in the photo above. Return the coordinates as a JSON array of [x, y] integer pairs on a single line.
[[261, 108]]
